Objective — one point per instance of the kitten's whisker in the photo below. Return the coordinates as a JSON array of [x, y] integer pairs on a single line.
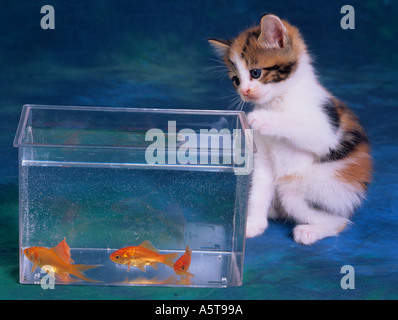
[[233, 105], [214, 73], [241, 105], [216, 69], [216, 60], [229, 96], [221, 80]]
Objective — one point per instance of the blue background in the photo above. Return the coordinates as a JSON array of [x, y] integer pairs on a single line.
[[155, 54]]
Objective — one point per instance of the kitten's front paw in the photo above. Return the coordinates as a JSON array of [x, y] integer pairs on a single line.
[[255, 228], [259, 121]]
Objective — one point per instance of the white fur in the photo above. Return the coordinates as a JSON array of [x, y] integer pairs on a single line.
[[291, 132]]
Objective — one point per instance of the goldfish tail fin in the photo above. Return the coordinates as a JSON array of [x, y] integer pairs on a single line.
[[169, 259], [65, 277], [78, 271]]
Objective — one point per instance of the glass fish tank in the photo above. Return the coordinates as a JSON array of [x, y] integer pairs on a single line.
[[130, 196]]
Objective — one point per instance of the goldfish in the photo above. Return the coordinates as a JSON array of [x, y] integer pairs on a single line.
[[59, 258], [143, 255], [181, 266]]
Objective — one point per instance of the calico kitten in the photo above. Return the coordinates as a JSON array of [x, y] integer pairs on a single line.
[[312, 163]]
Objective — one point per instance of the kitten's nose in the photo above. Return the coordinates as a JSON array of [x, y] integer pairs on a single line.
[[246, 92]]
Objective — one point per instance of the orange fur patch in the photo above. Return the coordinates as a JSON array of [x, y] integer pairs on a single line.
[[341, 228], [357, 169], [348, 121], [289, 178]]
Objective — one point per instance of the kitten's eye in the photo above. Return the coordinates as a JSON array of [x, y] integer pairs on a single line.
[[236, 81], [255, 73]]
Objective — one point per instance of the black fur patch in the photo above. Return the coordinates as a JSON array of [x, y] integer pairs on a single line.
[[233, 64], [348, 144], [330, 109], [275, 67], [318, 207], [278, 72], [253, 34]]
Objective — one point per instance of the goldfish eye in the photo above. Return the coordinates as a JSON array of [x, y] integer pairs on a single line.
[[182, 267], [117, 257]]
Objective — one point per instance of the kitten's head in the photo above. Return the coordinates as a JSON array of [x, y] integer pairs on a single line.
[[261, 59]]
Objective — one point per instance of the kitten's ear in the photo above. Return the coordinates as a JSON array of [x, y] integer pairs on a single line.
[[221, 47], [273, 32]]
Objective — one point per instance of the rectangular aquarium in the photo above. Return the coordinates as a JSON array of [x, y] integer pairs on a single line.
[[127, 196]]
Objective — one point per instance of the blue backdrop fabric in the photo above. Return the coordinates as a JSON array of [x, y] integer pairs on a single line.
[[155, 54]]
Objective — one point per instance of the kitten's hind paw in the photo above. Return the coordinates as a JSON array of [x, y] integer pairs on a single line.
[[308, 234]]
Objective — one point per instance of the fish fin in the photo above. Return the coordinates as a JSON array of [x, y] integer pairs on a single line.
[[33, 267], [188, 251], [148, 245], [62, 250], [184, 281], [170, 280], [169, 259], [78, 271], [155, 265], [65, 277], [189, 274], [141, 267]]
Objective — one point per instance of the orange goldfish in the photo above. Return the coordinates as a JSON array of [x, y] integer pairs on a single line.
[[59, 259], [182, 264], [143, 255]]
